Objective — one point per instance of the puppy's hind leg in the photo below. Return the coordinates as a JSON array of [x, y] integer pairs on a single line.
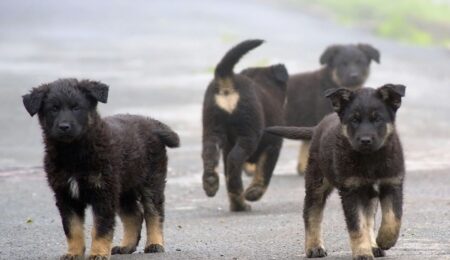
[[241, 151], [303, 156], [131, 216], [317, 191], [210, 156], [264, 170], [153, 199]]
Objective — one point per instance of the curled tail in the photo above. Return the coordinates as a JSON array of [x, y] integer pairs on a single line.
[[225, 67], [292, 132], [167, 135]]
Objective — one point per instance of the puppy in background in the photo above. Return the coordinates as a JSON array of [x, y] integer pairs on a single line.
[[357, 151], [344, 66], [115, 164], [236, 109]]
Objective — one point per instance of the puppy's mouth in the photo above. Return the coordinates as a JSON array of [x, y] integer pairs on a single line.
[[64, 137], [352, 83]]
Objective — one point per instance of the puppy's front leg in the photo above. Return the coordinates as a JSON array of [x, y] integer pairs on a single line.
[[103, 208], [72, 215], [391, 200], [356, 205]]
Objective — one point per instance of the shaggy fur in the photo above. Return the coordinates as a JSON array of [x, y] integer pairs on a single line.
[[344, 66], [358, 152], [236, 109], [116, 164]]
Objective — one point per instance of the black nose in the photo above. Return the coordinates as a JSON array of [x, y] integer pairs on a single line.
[[366, 140], [354, 76], [64, 127]]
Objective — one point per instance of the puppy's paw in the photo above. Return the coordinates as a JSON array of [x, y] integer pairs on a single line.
[[98, 257], [71, 257], [363, 257], [120, 250], [386, 240], [254, 193], [378, 252], [211, 184], [315, 252], [154, 248], [240, 207]]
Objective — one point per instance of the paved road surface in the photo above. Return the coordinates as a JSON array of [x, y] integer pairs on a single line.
[[158, 57]]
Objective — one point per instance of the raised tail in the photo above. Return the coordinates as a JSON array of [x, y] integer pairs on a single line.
[[225, 67], [292, 132], [167, 135]]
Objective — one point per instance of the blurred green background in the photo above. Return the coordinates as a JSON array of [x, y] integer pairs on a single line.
[[420, 22]]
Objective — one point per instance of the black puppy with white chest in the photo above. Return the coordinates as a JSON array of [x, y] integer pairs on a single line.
[[357, 151], [115, 164], [236, 109]]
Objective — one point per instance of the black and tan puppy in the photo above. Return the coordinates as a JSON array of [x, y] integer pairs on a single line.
[[236, 109], [358, 152], [116, 164], [344, 66]]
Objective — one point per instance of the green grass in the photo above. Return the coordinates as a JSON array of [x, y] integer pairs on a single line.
[[422, 22]]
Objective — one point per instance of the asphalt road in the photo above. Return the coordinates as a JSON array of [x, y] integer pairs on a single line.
[[158, 56]]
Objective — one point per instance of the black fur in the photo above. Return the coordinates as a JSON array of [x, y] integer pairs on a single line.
[[236, 109], [355, 150], [113, 164], [305, 104]]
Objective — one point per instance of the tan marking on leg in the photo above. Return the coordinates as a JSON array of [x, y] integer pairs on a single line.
[[370, 220], [390, 226], [75, 241], [258, 178], [101, 246], [154, 231], [303, 157], [131, 229], [313, 234], [360, 239], [250, 168]]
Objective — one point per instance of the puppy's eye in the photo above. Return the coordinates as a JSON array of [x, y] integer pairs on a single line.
[[355, 120], [76, 108], [54, 109], [376, 119]]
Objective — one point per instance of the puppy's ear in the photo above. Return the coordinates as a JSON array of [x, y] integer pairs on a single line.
[[280, 72], [392, 94], [95, 89], [33, 100], [339, 97], [370, 51], [328, 55]]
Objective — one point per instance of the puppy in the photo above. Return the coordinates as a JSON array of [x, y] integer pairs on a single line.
[[236, 109], [116, 164], [344, 66], [357, 151]]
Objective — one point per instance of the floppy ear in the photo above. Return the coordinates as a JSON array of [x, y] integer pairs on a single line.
[[339, 97], [370, 51], [280, 72], [392, 94], [33, 100], [328, 55], [95, 89]]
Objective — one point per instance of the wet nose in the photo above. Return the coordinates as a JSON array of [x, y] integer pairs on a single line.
[[354, 76], [64, 127], [366, 140]]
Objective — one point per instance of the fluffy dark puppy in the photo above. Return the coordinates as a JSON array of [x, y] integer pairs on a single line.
[[236, 109], [358, 152], [344, 66], [115, 164]]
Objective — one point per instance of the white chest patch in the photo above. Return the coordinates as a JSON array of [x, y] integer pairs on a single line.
[[73, 188], [227, 102]]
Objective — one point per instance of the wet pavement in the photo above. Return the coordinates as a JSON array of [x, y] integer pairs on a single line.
[[157, 57]]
